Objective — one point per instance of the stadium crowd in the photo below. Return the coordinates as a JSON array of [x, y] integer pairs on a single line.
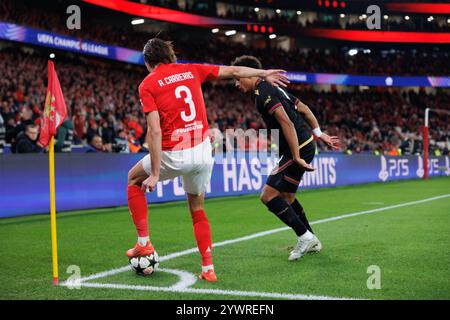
[[213, 49], [105, 113]]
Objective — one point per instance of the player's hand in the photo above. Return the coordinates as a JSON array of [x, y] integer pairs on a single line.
[[149, 183], [302, 163], [276, 77], [333, 142]]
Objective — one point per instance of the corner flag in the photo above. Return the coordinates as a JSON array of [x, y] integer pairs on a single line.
[[55, 112]]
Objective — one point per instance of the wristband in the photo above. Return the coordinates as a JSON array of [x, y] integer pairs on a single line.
[[317, 132]]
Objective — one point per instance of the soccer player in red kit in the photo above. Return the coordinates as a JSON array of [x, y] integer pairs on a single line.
[[178, 139]]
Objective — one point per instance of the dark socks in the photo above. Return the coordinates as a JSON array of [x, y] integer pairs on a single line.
[[301, 214], [285, 213]]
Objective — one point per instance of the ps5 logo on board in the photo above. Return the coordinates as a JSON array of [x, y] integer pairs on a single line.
[[393, 168]]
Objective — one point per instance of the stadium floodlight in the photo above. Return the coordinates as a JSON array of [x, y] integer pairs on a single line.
[[256, 9], [426, 137], [137, 21], [272, 36], [215, 30], [406, 17], [299, 12], [230, 33], [352, 52]]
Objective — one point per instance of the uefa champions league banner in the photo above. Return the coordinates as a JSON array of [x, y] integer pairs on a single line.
[[86, 181], [14, 32]]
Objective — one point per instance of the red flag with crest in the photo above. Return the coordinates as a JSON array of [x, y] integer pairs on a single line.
[[55, 110]]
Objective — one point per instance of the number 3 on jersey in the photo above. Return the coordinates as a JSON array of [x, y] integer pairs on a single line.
[[188, 100]]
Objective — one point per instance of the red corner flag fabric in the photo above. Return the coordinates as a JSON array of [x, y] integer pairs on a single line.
[[55, 110]]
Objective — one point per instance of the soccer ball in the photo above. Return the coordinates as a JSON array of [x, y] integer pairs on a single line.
[[145, 265]]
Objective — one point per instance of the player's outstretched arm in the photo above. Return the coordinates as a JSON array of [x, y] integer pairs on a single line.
[[332, 142], [291, 137], [153, 140], [275, 77]]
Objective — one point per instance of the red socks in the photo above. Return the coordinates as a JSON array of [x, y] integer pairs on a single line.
[[137, 202], [203, 236]]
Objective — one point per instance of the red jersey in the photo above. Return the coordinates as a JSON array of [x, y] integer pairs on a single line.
[[174, 90]]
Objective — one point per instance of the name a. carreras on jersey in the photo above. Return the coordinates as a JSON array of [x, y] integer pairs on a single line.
[[175, 78]]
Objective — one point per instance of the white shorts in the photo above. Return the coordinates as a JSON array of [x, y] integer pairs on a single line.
[[194, 165]]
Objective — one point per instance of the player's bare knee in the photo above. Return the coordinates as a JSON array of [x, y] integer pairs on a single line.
[[195, 202], [267, 194], [262, 198], [288, 197], [195, 207], [130, 179], [133, 178], [265, 197], [137, 175]]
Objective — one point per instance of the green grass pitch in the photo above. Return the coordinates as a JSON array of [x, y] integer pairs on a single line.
[[410, 244]]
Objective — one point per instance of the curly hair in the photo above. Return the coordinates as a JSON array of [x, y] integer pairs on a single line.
[[247, 61]]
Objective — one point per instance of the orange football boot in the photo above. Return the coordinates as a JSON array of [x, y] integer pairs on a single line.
[[209, 276], [139, 251]]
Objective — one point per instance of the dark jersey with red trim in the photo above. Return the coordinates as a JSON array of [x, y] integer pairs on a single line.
[[270, 98]]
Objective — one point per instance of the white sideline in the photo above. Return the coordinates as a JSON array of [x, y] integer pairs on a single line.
[[212, 291], [261, 234], [188, 279]]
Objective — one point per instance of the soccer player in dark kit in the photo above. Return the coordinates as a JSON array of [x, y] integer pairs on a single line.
[[282, 111]]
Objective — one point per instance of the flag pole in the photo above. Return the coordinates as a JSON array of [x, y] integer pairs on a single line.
[[55, 111], [51, 162]]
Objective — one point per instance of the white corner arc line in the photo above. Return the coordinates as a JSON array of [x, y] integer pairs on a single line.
[[263, 233], [273, 295], [187, 279]]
